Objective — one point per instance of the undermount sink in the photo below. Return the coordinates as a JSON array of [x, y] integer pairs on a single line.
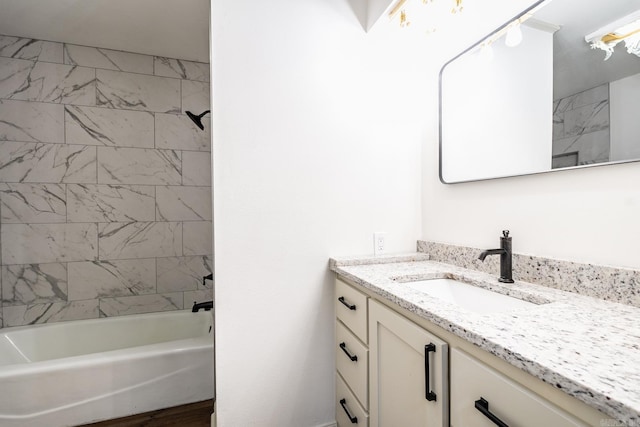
[[468, 296]]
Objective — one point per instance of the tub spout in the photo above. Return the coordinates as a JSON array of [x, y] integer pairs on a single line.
[[207, 305]]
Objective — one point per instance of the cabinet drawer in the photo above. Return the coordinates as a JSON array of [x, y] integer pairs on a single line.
[[352, 361], [349, 413], [513, 404], [351, 309]]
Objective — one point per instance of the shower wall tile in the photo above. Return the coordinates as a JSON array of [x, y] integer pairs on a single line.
[[31, 121], [110, 203], [47, 163], [32, 203], [178, 132], [181, 69], [108, 127], [140, 240], [107, 59], [141, 304], [592, 147], [35, 50], [196, 168], [586, 119], [581, 99], [178, 203], [197, 238], [105, 183], [581, 125], [200, 295], [139, 166], [51, 312], [183, 273], [138, 92], [47, 82], [195, 96], [44, 243], [108, 279], [34, 284]]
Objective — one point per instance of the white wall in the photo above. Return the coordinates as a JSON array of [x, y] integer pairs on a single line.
[[324, 134], [317, 144], [624, 98], [586, 215]]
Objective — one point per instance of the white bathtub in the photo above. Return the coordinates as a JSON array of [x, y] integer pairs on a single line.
[[71, 373]]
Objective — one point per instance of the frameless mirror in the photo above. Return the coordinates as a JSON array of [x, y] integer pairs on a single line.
[[535, 96]]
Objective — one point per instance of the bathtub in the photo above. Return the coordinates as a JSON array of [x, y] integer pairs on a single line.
[[72, 373]]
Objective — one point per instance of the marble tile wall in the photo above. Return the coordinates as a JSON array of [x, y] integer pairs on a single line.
[[581, 128], [105, 183]]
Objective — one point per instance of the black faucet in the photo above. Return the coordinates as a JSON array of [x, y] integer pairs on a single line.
[[506, 273], [207, 306]]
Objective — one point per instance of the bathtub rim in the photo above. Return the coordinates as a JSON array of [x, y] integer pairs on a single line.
[[91, 359]]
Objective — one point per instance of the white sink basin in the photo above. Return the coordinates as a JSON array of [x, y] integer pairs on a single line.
[[469, 297]]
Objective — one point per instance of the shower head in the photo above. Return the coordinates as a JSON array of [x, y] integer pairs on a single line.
[[197, 119]]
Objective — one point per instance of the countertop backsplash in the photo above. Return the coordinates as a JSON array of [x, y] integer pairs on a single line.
[[607, 283]]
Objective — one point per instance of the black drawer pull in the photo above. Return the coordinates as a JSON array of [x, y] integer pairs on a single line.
[[353, 357], [343, 403], [349, 306], [429, 395], [483, 406]]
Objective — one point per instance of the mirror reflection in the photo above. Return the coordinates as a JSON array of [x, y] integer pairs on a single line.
[[557, 87]]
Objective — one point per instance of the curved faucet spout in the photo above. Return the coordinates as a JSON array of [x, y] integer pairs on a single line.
[[484, 254]]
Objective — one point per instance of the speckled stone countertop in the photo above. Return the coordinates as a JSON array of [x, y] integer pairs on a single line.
[[589, 348]]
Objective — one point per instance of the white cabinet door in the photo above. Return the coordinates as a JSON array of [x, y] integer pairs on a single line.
[[408, 372]]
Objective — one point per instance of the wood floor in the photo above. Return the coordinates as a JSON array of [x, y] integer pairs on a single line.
[[192, 415]]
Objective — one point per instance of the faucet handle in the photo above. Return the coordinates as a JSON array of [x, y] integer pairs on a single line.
[[505, 233]]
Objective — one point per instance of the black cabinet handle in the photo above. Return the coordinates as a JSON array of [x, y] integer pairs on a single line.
[[349, 306], [343, 403], [353, 357], [429, 395], [483, 406]]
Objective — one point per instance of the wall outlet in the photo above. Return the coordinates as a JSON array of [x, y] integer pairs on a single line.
[[379, 242]]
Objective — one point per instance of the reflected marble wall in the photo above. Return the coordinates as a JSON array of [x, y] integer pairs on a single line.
[[581, 128], [105, 184]]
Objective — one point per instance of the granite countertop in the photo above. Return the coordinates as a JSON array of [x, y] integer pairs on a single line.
[[589, 348]]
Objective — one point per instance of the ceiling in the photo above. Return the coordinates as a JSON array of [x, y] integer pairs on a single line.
[[577, 67], [171, 28]]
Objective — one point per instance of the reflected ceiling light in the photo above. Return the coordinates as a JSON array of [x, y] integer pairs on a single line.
[[513, 30], [514, 36], [486, 52], [626, 29]]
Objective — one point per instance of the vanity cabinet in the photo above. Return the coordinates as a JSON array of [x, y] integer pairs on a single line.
[[408, 372], [352, 357], [390, 372], [395, 369]]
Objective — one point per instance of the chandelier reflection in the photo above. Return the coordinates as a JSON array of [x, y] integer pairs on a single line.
[[424, 14]]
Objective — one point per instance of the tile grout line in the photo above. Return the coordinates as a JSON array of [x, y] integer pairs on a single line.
[[177, 150]]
